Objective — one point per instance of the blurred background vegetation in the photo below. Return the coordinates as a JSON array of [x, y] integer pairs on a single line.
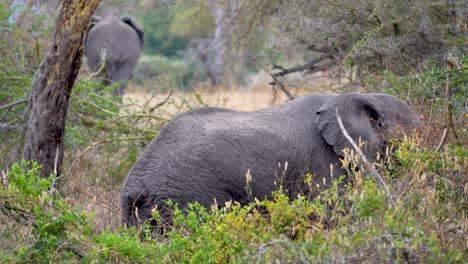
[[226, 52], [226, 42]]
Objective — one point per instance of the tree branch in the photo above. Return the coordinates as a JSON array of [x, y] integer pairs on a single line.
[[451, 63], [8, 127], [311, 66], [276, 81], [161, 103], [361, 154], [10, 105]]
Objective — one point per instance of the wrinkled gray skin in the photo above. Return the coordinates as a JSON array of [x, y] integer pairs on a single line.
[[122, 40], [203, 155]]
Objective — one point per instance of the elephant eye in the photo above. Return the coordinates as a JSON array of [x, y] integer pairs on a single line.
[[373, 115]]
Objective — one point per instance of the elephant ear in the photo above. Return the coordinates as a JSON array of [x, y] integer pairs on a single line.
[[363, 117], [137, 27]]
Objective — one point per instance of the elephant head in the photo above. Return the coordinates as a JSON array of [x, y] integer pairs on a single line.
[[203, 155], [369, 118], [115, 42]]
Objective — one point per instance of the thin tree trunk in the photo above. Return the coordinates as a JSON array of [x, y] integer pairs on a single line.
[[53, 84], [219, 43]]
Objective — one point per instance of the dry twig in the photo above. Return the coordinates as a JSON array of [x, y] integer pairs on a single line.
[[361, 154], [449, 125], [161, 103]]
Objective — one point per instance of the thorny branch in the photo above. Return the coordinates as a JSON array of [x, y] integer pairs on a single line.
[[161, 103]]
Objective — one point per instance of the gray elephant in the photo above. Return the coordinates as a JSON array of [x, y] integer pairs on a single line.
[[204, 155], [119, 40]]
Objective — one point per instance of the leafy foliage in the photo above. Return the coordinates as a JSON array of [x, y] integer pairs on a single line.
[[118, 129], [21, 52], [360, 36], [360, 221], [158, 39], [192, 21], [156, 69], [55, 227]]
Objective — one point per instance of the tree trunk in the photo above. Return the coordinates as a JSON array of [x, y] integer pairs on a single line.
[[53, 83], [219, 44]]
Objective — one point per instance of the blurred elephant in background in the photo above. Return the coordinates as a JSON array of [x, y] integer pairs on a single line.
[[118, 41], [203, 155]]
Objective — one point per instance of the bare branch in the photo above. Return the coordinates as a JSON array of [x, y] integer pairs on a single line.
[[102, 63], [161, 103], [276, 81], [310, 66], [451, 63], [442, 140], [56, 178], [361, 154], [8, 127], [10, 105]]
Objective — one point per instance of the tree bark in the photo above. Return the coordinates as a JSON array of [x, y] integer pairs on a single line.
[[53, 84], [219, 45]]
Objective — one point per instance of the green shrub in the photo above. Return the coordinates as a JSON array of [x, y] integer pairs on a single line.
[[163, 73], [423, 221], [56, 229], [427, 89]]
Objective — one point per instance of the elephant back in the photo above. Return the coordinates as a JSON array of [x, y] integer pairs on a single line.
[[119, 36]]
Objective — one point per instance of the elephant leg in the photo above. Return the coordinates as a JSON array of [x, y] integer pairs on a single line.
[[110, 69], [121, 73]]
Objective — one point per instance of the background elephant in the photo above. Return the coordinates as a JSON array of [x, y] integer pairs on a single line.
[[203, 155], [121, 38]]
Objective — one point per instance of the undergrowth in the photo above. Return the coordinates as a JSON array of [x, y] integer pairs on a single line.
[[423, 221]]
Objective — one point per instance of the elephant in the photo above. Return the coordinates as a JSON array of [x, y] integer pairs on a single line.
[[121, 40], [216, 155]]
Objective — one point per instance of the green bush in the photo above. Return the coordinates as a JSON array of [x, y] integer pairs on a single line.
[[163, 73], [427, 89], [423, 222], [55, 228], [158, 38], [21, 51]]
